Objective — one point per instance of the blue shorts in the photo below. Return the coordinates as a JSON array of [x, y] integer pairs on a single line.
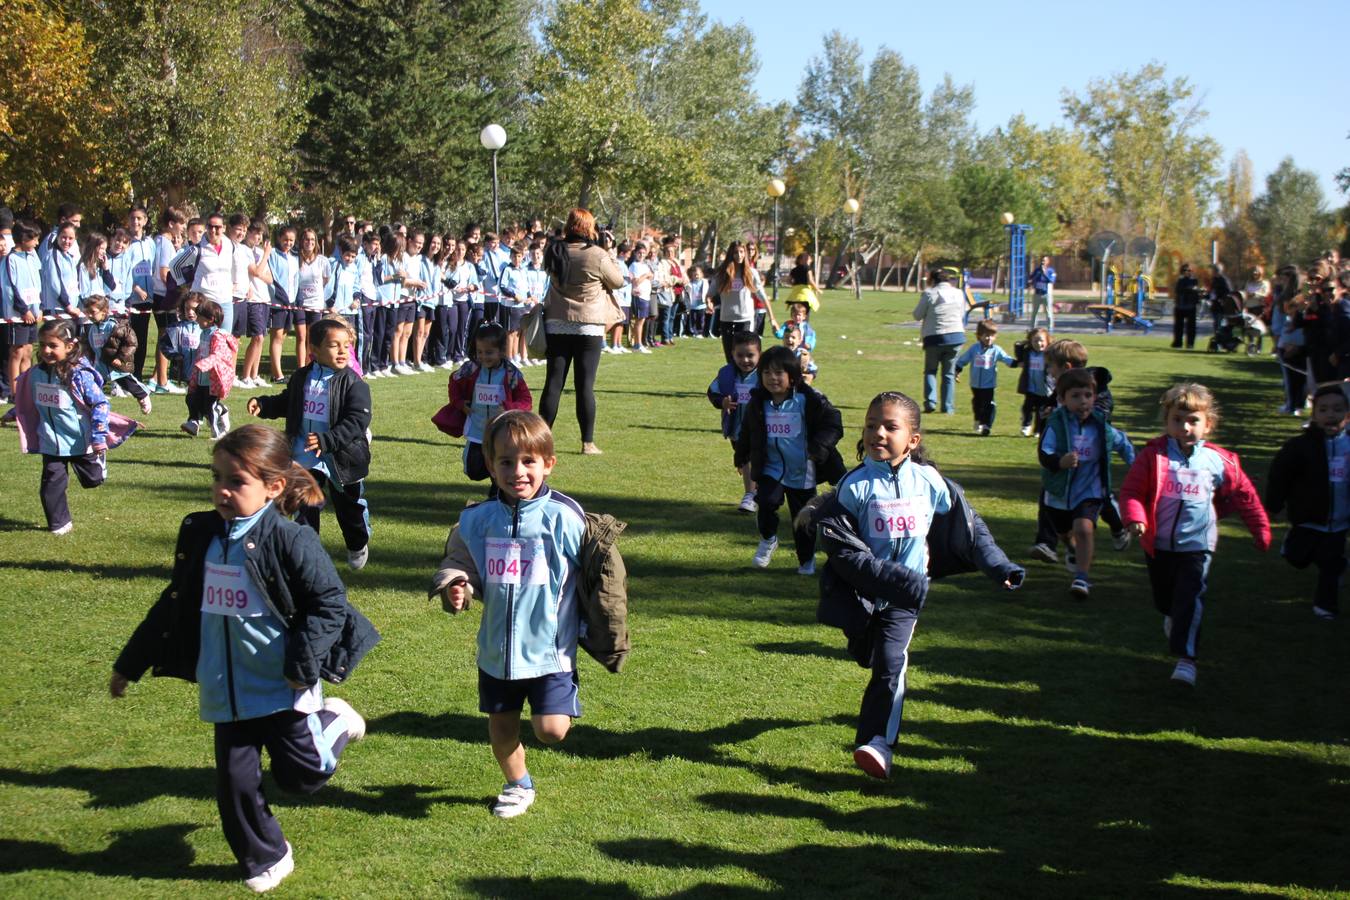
[[256, 320], [1063, 519], [406, 313], [641, 308], [240, 318], [282, 318], [425, 312], [20, 334], [512, 316], [308, 317], [549, 695]]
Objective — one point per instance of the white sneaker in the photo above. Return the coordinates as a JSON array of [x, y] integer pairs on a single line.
[[512, 801], [748, 503], [1184, 672], [807, 568], [644, 349], [764, 552], [172, 388], [1045, 553], [146, 406], [114, 391], [356, 725], [390, 373], [448, 365], [874, 758], [1324, 614], [403, 369], [265, 881], [64, 529], [608, 349], [190, 427], [426, 367], [356, 559], [1026, 431]]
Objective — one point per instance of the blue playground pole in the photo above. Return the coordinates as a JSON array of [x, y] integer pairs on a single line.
[[1017, 269]]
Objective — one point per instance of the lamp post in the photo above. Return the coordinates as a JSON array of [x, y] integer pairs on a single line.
[[851, 206], [775, 188], [493, 138]]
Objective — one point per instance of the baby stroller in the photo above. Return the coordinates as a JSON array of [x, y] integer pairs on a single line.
[[1230, 326], [1254, 327]]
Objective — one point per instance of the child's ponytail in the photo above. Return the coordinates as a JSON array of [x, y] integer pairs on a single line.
[[301, 490]]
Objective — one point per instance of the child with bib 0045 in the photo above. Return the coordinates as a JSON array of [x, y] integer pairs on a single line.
[[255, 614]]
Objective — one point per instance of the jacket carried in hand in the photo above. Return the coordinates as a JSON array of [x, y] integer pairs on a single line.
[[452, 418], [1299, 479], [108, 428], [1143, 488], [824, 429], [853, 579], [343, 445], [219, 362], [602, 589], [120, 346], [326, 635]]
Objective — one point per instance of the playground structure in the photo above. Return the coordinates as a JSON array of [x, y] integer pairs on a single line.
[[1017, 278], [1126, 301]]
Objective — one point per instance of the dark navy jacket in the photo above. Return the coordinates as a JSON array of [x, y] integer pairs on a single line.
[[853, 579], [824, 429], [343, 445], [326, 637]]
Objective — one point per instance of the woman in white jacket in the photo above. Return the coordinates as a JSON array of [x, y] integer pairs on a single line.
[[942, 310]]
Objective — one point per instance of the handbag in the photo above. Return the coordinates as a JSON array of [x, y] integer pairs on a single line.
[[532, 329]]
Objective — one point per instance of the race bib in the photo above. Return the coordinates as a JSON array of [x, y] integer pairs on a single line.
[[515, 563], [31, 296], [984, 362], [316, 400], [743, 393], [1336, 469], [1187, 484], [228, 592], [785, 425], [906, 517], [489, 395], [1085, 447], [192, 339], [1037, 364], [141, 270], [52, 396]]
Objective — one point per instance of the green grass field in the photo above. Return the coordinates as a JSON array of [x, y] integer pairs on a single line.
[[1044, 751]]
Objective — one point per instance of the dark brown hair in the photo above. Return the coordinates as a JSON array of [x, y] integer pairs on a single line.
[[266, 454], [1074, 379]]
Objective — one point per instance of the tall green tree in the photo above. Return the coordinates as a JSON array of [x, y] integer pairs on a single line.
[[209, 99], [1144, 131], [1057, 162], [984, 193], [1292, 223]]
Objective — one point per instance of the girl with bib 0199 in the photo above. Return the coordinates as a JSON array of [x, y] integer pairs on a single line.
[[255, 614]]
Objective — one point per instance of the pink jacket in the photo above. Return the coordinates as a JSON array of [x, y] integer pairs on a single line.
[[220, 363], [1143, 488]]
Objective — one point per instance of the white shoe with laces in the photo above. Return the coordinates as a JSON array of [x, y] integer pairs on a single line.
[[355, 724], [356, 559], [874, 758], [512, 801], [266, 880], [764, 553], [1184, 673], [748, 504]]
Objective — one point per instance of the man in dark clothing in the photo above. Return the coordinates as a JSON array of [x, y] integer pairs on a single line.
[[1185, 299]]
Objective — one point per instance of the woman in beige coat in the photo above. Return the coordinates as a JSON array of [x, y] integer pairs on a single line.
[[579, 310]]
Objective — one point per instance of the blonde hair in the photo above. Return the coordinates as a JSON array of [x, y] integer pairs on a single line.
[[526, 430], [1191, 396]]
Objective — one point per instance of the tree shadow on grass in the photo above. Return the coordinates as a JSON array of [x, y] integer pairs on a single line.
[[120, 788], [161, 852], [118, 573], [1115, 814]]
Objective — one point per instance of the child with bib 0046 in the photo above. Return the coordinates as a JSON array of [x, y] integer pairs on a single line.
[[1172, 498], [480, 390], [788, 439], [520, 555], [255, 614], [327, 406]]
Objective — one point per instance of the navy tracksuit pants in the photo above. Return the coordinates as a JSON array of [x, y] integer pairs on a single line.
[[883, 702], [304, 750], [1325, 549], [1178, 581], [350, 507]]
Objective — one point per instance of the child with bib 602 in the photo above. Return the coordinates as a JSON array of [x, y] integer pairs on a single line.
[[255, 614], [520, 554]]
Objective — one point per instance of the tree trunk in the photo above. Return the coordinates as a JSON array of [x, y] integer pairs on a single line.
[[815, 242]]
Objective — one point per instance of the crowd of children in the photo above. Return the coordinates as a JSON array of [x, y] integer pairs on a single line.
[[257, 615]]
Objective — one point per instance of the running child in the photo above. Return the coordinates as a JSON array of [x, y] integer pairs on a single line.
[[210, 371], [1172, 498], [802, 279], [327, 410], [793, 340], [481, 390], [520, 554], [110, 346], [62, 413], [788, 439], [984, 356], [256, 648], [879, 533], [1032, 383], [1308, 476], [799, 314], [730, 392], [1076, 469]]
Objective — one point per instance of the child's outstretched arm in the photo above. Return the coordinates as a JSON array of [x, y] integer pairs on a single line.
[[456, 579], [1121, 446], [1135, 493], [274, 406]]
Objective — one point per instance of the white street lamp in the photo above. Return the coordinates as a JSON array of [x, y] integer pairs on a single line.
[[493, 138]]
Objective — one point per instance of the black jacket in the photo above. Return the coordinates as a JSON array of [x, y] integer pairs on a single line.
[[1186, 293], [824, 429], [326, 637], [344, 444], [853, 579], [1299, 479]]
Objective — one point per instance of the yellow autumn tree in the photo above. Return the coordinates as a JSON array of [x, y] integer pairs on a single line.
[[49, 107]]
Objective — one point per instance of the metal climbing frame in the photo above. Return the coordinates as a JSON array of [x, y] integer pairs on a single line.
[[1017, 269]]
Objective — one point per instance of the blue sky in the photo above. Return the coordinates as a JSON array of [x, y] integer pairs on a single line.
[[1283, 93]]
